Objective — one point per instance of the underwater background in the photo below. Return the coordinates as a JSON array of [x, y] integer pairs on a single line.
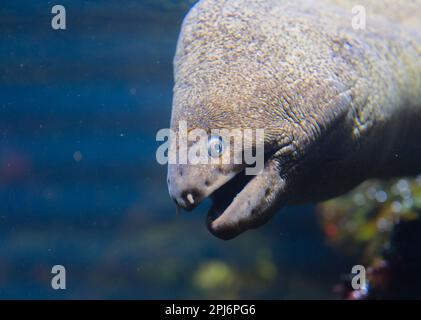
[[80, 186]]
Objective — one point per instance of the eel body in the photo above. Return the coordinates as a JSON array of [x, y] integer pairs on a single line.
[[339, 105]]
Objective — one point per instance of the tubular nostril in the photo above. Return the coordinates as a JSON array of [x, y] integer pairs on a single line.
[[176, 202], [190, 198]]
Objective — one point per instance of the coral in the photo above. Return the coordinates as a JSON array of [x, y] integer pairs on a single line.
[[379, 223]]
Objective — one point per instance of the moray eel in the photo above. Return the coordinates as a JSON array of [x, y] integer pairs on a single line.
[[339, 105]]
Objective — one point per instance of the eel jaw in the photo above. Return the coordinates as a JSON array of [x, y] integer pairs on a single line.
[[246, 202], [221, 200], [240, 201]]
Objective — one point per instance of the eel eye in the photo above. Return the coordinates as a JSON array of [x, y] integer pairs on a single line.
[[215, 146]]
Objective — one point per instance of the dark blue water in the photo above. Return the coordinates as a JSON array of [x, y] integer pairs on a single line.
[[79, 184]]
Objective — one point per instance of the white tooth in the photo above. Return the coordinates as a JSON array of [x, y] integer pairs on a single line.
[[190, 198]]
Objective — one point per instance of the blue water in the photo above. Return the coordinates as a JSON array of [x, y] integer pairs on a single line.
[[79, 184]]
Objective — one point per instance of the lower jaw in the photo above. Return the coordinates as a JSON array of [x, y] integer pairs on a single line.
[[225, 195]]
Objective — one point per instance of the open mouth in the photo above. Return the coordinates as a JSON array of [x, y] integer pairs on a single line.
[[245, 201], [225, 195]]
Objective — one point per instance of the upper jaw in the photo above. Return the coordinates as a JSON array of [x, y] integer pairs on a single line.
[[189, 185]]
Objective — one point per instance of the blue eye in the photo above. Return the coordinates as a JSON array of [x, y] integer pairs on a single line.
[[215, 146]]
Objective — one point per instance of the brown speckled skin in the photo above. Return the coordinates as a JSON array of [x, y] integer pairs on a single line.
[[338, 105]]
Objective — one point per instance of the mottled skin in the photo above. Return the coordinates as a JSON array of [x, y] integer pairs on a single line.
[[338, 105]]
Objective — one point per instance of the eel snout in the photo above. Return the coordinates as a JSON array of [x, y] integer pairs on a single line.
[[189, 184], [239, 201]]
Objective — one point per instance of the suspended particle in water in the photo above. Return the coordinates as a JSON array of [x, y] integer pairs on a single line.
[[77, 156]]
